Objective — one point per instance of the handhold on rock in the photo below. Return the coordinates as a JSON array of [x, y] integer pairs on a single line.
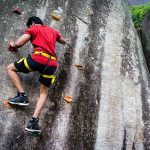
[[17, 11], [79, 66], [12, 49], [6, 104], [68, 99], [56, 17]]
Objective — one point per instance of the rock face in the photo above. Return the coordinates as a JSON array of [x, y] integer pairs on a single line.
[[145, 38], [110, 107]]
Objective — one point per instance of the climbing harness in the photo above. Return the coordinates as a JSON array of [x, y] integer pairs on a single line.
[[45, 54], [50, 57], [53, 77], [26, 64], [24, 59]]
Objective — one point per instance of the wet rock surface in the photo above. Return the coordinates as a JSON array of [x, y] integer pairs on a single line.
[[110, 107]]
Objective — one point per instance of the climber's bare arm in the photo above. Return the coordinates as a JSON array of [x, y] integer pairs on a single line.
[[21, 41], [61, 40]]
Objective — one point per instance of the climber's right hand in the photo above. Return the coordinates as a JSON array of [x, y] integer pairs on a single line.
[[12, 47]]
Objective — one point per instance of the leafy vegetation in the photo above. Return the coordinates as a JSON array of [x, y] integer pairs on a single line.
[[138, 13]]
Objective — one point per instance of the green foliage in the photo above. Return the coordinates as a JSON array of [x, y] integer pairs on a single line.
[[138, 13]]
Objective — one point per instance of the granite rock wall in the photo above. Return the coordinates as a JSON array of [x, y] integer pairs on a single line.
[[110, 107]]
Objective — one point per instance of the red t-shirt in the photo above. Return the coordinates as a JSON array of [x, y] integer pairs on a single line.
[[43, 37]]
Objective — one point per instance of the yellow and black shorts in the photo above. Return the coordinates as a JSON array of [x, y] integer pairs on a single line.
[[27, 64]]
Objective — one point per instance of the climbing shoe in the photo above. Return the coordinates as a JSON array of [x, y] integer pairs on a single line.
[[33, 126], [21, 99]]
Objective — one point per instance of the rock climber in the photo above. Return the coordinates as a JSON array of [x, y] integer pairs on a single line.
[[43, 60]]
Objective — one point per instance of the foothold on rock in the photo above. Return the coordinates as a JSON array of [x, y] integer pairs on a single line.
[[56, 17], [17, 11], [68, 99], [6, 104], [79, 66]]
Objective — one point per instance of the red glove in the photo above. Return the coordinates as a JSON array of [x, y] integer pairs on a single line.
[[12, 49]]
